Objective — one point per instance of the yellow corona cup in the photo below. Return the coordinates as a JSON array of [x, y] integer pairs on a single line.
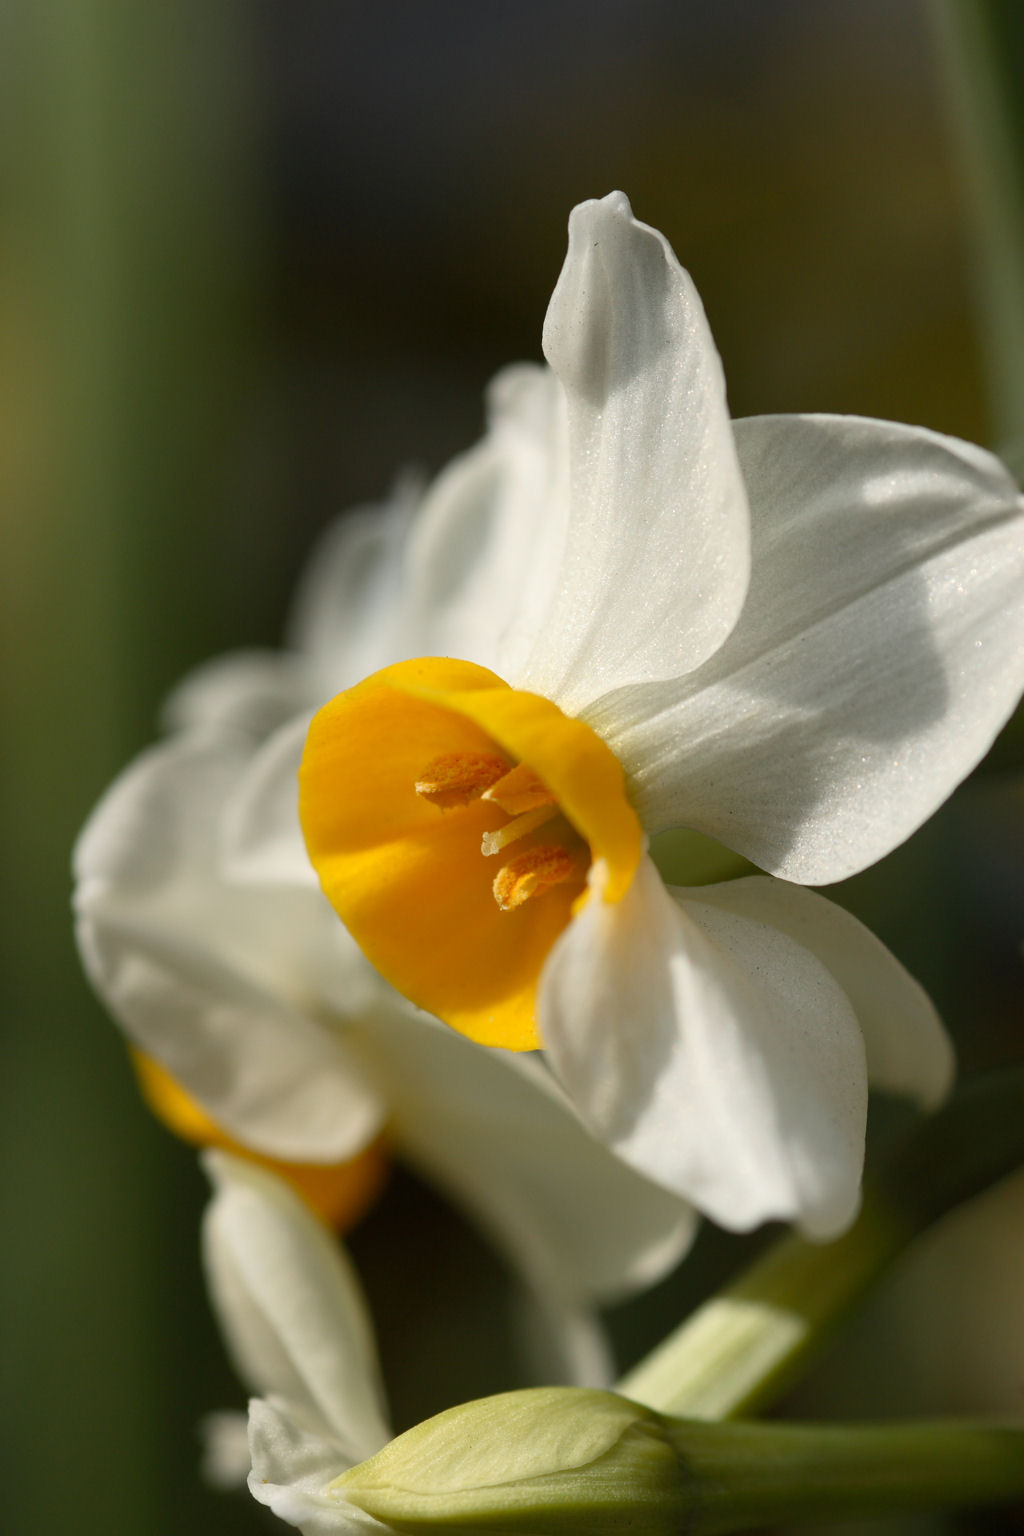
[[452, 821]]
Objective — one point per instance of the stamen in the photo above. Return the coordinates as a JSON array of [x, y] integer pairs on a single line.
[[512, 831], [456, 778], [531, 874], [519, 790]]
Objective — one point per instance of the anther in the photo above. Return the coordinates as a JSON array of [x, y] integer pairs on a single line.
[[519, 790], [531, 874], [456, 778]]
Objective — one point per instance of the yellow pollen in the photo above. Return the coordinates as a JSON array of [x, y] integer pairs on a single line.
[[531, 874], [512, 831], [519, 790], [456, 778]]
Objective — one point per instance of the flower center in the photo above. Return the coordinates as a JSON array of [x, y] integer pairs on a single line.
[[452, 820], [455, 779]]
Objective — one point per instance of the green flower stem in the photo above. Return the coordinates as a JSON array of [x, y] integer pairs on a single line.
[[981, 49], [131, 266], [743, 1346], [750, 1475], [981, 43]]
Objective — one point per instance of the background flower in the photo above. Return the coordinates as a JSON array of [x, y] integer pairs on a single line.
[[201, 925], [296, 1325]]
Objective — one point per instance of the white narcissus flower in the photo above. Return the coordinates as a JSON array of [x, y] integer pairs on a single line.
[[294, 1321], [293, 1318], [202, 926], [793, 634]]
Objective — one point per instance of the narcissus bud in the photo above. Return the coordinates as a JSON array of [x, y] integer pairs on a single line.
[[560, 1460], [551, 1458]]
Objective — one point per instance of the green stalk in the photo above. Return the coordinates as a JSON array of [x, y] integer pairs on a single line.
[[744, 1346], [981, 46], [128, 274], [741, 1348], [767, 1474], [981, 51]]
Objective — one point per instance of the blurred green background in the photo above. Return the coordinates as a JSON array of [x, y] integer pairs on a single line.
[[254, 258]]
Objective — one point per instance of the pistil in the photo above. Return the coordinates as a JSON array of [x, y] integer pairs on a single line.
[[519, 826]]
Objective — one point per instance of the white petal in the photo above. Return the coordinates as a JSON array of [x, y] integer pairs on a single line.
[[289, 1304], [221, 983], [251, 692], [712, 1052], [347, 616], [292, 1465], [880, 650], [261, 838], [908, 1050], [493, 1129], [653, 568], [478, 572]]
